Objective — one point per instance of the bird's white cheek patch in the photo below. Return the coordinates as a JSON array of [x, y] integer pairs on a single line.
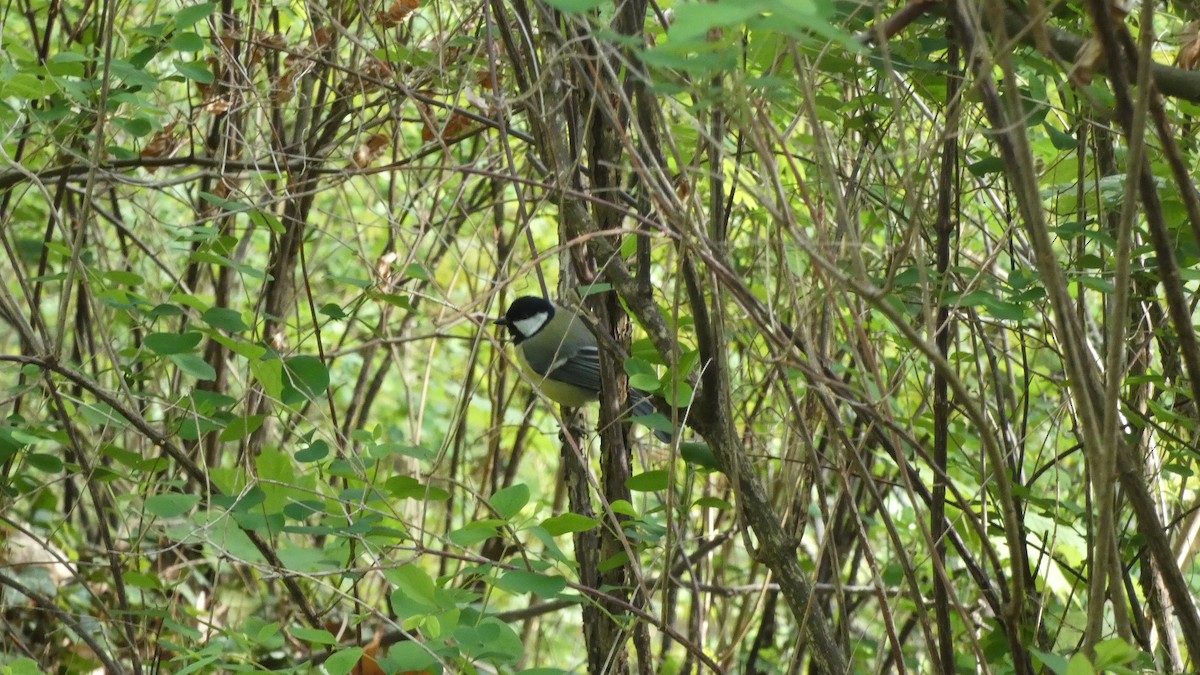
[[533, 324]]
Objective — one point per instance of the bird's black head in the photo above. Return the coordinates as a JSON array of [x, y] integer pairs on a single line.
[[526, 316]]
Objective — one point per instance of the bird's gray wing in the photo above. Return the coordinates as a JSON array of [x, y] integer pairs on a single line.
[[581, 369]]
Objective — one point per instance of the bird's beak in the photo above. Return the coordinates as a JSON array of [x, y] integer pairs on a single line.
[[500, 321]]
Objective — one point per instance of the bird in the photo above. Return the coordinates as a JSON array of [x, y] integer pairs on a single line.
[[560, 354]]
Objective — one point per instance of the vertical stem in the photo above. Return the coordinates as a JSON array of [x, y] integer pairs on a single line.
[[943, 335]]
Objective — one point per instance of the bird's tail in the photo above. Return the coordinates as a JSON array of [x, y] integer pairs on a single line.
[[640, 406]]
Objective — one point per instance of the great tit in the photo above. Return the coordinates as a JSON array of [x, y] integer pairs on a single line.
[[560, 354]]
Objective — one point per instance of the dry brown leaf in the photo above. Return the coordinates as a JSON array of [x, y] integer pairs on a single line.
[[229, 39], [683, 187], [297, 55], [217, 105], [1189, 47], [264, 43], [367, 665], [214, 66], [223, 188], [455, 126], [397, 13], [164, 144], [322, 37], [383, 268], [372, 74], [1087, 61], [368, 152], [285, 87]]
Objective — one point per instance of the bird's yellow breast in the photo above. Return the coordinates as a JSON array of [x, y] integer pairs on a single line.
[[559, 392]]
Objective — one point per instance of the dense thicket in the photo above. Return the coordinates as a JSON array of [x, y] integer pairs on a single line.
[[915, 281]]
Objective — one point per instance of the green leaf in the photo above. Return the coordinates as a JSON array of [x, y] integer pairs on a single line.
[[1079, 665], [44, 463], [304, 509], [229, 320], [333, 311], [269, 373], [489, 639], [622, 507], [614, 561], [595, 288], [344, 661], [173, 343], [635, 366], [688, 361], [644, 382], [699, 454], [655, 421], [189, 301], [68, 57], [677, 393], [1000, 309], [576, 6], [134, 126], [22, 667], [171, 505], [193, 365], [28, 86], [645, 350], [314, 635], [187, 42], [416, 271], [1114, 652], [229, 205], [307, 376], [10, 444], [694, 20], [410, 655], [142, 580], [353, 282], [1060, 139], [403, 449], [523, 581], [396, 300], [304, 560], [196, 71], [263, 634], [568, 523], [649, 481], [414, 584], [124, 278], [315, 452], [188, 16], [407, 487], [266, 219], [641, 375], [676, 56], [474, 533], [102, 414], [133, 75], [509, 501], [241, 427], [713, 503], [986, 165], [1097, 284]]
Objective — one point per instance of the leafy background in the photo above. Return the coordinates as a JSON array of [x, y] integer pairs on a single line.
[[915, 281]]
